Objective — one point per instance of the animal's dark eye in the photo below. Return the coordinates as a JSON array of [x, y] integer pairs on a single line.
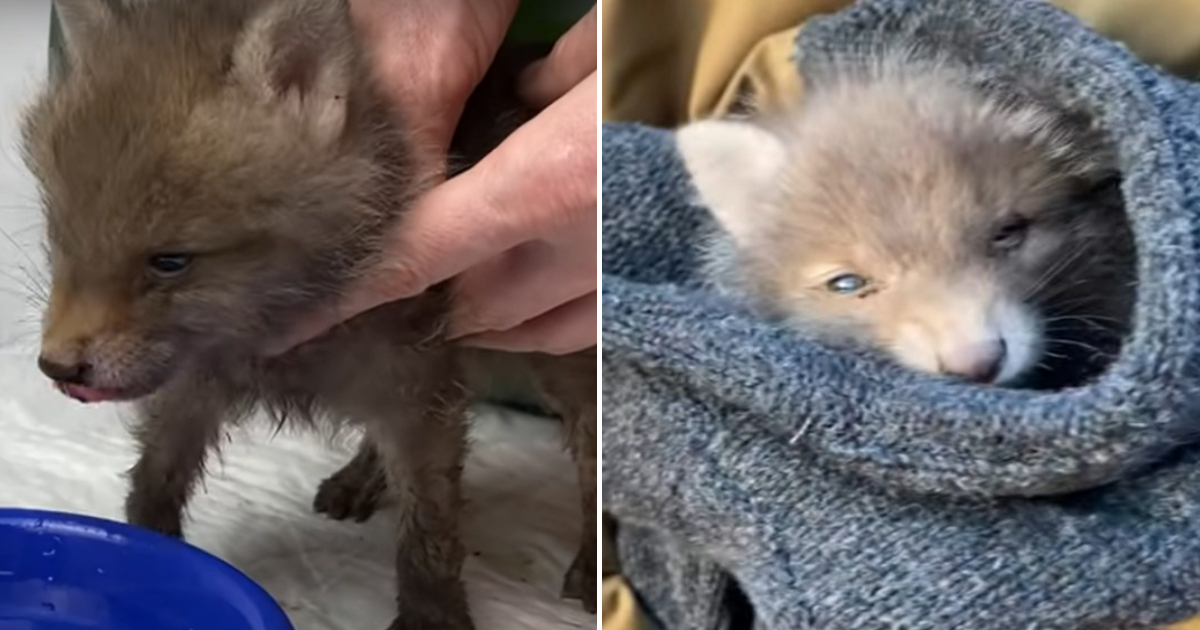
[[1011, 235], [169, 265], [847, 283]]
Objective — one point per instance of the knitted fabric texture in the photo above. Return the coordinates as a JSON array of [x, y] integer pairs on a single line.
[[842, 491]]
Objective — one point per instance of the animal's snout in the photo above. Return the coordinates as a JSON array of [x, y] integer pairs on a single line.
[[65, 372], [980, 362]]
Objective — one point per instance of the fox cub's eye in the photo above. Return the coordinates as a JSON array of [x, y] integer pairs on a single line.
[[169, 265], [1010, 235], [847, 283]]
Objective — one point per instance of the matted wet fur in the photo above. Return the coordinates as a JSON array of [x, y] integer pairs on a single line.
[[212, 171], [964, 226], [566, 385]]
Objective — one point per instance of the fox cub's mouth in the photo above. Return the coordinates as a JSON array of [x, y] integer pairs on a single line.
[[85, 394], [79, 385]]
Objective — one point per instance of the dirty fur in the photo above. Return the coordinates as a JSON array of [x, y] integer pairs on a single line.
[[212, 171], [907, 208], [563, 386]]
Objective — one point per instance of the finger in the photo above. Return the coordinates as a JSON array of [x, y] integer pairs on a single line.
[[569, 328], [571, 60], [524, 283], [408, 42]]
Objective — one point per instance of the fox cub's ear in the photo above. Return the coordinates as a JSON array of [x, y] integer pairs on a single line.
[[300, 55], [82, 24], [731, 163]]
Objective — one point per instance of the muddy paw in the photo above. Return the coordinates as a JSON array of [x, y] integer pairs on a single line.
[[580, 582], [163, 518], [352, 492]]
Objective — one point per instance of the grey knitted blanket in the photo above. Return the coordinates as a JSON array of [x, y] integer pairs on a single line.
[[840, 491]]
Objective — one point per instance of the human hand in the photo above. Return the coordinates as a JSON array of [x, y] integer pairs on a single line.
[[539, 294], [512, 301], [428, 56], [517, 231]]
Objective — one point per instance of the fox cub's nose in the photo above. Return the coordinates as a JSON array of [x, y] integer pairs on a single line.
[[978, 362], [66, 373]]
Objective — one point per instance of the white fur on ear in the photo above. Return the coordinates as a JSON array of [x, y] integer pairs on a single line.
[[299, 55], [731, 164]]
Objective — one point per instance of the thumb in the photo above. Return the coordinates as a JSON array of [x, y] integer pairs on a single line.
[[539, 179], [572, 59]]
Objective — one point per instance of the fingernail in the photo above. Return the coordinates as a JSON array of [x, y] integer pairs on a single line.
[[477, 340], [526, 83], [276, 348], [465, 341], [459, 322], [455, 330]]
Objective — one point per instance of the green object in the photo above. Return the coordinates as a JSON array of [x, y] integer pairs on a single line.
[[536, 22], [58, 53], [544, 21]]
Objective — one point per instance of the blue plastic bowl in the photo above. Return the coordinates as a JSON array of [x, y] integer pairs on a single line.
[[71, 572]]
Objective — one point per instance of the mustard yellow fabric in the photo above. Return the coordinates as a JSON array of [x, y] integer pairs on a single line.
[[668, 62], [621, 611]]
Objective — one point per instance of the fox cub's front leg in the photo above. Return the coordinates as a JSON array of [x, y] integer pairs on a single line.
[[176, 428]]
